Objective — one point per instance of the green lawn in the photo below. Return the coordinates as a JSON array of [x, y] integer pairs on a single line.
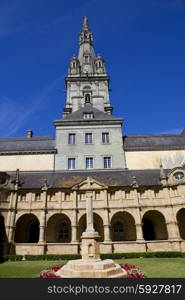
[[153, 267]]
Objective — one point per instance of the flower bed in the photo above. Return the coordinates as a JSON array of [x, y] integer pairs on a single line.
[[132, 271]]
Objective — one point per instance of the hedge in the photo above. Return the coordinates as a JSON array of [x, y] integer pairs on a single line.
[[143, 254], [53, 257], [103, 256], [12, 257]]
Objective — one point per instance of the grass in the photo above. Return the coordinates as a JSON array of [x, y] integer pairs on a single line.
[[153, 267]]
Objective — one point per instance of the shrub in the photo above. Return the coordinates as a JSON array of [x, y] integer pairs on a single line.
[[143, 254], [12, 257], [53, 257]]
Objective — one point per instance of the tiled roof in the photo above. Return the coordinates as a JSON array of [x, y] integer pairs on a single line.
[[66, 179], [27, 144], [154, 142]]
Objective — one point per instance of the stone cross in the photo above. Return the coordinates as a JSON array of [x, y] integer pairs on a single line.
[[89, 206]]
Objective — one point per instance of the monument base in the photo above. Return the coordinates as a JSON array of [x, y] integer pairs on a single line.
[[91, 269]]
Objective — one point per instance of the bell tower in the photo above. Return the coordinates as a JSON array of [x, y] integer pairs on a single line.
[[88, 136], [87, 80]]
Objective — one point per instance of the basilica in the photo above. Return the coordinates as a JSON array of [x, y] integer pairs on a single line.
[[138, 182]]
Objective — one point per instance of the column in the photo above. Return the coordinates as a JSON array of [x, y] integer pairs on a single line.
[[138, 224], [42, 238], [106, 220], [139, 232], [74, 233], [42, 233], [12, 217], [171, 223], [74, 225]]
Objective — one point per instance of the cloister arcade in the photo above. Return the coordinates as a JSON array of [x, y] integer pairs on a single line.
[[122, 227]]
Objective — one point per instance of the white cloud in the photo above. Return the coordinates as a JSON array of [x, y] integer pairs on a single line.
[[171, 131], [13, 114]]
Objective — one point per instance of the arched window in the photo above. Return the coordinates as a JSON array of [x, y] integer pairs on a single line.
[[27, 229], [87, 98], [58, 229], [154, 226], [118, 227], [63, 232], [123, 227]]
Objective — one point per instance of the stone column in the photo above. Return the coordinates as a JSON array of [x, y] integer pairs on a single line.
[[139, 232], [171, 222], [42, 237], [107, 233], [74, 233], [139, 225], [13, 211], [42, 233], [106, 225], [74, 225], [172, 228]]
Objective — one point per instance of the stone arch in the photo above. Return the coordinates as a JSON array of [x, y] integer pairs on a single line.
[[2, 230], [27, 229], [154, 226], [181, 222], [98, 226], [123, 227], [58, 229]]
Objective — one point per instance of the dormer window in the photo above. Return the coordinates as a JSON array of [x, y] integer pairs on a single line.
[[88, 115]]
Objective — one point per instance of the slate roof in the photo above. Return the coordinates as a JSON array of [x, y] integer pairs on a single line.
[[78, 117], [154, 142], [66, 179], [34, 144]]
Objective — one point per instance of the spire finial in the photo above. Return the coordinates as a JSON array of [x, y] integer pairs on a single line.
[[85, 23], [86, 34]]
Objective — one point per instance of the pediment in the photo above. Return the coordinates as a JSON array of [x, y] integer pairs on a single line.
[[89, 184]]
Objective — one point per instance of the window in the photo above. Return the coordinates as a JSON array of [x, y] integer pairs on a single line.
[[88, 115], [87, 98], [63, 233], [37, 197], [71, 163], [179, 175], [23, 197], [86, 59], [88, 138], [71, 138], [107, 162], [89, 162], [118, 227], [105, 138]]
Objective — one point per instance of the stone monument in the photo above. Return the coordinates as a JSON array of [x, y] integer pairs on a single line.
[[91, 265]]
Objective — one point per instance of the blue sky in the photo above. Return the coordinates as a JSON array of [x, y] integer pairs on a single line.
[[142, 41]]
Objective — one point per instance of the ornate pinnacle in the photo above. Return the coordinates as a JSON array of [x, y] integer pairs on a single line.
[[162, 173], [163, 177], [45, 185], [85, 24], [17, 180], [134, 182]]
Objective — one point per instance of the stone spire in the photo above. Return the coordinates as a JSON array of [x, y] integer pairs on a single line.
[[85, 35], [87, 77]]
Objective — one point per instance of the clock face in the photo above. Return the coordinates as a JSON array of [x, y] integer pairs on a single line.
[[86, 69]]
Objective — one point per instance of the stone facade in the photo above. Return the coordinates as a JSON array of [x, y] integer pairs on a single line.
[[138, 182]]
